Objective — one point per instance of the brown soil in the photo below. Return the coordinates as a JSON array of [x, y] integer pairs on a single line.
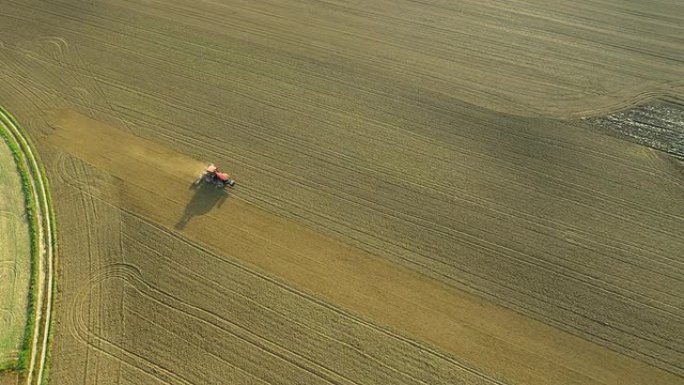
[[9, 378], [391, 223]]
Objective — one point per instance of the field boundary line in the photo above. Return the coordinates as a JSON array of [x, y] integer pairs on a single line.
[[39, 204]]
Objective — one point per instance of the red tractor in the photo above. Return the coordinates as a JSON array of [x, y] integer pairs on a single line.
[[212, 175]]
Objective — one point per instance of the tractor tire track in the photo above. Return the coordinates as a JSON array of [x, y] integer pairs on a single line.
[[275, 311], [113, 350], [79, 326], [132, 276], [319, 302]]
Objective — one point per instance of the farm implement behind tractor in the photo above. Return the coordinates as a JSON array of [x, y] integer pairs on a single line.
[[211, 175]]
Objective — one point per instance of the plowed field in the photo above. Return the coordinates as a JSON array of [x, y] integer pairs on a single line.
[[416, 202]]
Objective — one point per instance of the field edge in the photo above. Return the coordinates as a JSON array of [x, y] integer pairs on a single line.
[[32, 172]]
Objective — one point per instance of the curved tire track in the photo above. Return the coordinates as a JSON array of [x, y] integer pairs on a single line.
[[80, 329], [131, 275], [46, 247]]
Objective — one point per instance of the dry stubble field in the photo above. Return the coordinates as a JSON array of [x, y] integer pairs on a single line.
[[416, 202]]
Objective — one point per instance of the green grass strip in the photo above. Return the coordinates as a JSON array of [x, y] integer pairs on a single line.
[[17, 150], [22, 361]]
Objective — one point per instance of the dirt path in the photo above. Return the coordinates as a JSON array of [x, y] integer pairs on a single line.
[[44, 286]]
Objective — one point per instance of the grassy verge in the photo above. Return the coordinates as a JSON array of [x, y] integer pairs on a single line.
[[17, 149], [22, 361]]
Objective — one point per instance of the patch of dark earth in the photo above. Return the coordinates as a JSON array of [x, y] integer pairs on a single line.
[[659, 126]]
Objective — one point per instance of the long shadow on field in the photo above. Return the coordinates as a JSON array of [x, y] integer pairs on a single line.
[[206, 197]]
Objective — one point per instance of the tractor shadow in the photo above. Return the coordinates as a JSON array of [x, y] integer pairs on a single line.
[[205, 198]]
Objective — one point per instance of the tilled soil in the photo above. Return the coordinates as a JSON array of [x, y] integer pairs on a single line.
[[409, 208], [660, 126]]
